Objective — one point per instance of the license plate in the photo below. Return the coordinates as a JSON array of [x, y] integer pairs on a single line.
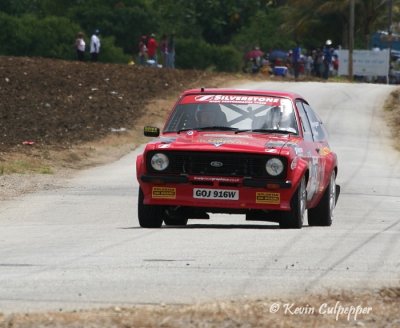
[[215, 194]]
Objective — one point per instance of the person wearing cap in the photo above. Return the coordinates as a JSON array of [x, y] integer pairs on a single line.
[[95, 46], [327, 59]]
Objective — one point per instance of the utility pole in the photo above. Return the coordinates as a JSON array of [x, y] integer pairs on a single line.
[[351, 39], [390, 34], [390, 16]]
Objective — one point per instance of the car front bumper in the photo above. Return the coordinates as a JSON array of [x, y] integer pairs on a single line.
[[205, 192]]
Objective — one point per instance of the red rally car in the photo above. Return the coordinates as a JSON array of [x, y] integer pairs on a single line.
[[264, 154]]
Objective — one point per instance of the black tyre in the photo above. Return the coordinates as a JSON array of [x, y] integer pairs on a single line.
[[294, 218], [322, 214], [150, 216], [175, 219]]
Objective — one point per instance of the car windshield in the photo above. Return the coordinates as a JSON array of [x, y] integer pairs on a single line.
[[257, 114]]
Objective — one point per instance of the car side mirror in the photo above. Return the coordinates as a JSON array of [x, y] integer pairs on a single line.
[[151, 131]]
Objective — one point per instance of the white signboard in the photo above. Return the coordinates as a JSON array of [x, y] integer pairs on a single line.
[[365, 62]]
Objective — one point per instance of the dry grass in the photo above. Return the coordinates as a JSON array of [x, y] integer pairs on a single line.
[[392, 115], [333, 309]]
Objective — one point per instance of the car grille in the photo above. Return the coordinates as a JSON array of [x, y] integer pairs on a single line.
[[202, 163]]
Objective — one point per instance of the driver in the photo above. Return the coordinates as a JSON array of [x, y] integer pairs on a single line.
[[210, 115]]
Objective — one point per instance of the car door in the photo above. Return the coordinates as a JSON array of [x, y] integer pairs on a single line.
[[320, 136], [311, 151]]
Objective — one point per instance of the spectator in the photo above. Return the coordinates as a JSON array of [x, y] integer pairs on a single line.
[[152, 46], [80, 46], [171, 51], [327, 59], [164, 50], [143, 50], [95, 46], [296, 60], [289, 62], [319, 63], [308, 65], [314, 55]]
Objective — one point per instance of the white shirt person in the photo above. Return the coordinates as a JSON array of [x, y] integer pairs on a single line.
[[95, 46]]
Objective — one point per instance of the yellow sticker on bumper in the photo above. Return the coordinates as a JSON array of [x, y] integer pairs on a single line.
[[268, 197], [163, 192]]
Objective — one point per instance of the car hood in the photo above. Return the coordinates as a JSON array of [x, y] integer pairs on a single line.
[[226, 141]]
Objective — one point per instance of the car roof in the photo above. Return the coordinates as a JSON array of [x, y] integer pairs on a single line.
[[251, 92]]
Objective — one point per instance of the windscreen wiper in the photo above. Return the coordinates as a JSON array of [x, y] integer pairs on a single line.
[[216, 127], [267, 131], [206, 128]]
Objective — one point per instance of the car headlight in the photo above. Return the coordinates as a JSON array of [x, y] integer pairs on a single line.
[[274, 166], [159, 162]]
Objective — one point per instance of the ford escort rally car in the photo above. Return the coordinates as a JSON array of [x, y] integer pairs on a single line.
[[264, 154]]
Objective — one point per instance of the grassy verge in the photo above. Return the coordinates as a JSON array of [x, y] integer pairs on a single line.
[[334, 309], [392, 115], [24, 165]]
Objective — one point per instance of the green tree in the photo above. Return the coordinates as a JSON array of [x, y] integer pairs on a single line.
[[124, 20], [330, 19], [18, 7], [264, 31], [215, 21], [29, 36], [8, 28]]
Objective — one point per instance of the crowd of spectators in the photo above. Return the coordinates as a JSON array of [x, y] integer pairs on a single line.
[[156, 53], [320, 62], [148, 51]]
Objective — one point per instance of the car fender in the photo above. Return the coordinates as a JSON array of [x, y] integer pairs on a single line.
[[301, 169], [330, 166], [140, 167]]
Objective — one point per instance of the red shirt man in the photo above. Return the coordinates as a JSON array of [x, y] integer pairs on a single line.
[[152, 46]]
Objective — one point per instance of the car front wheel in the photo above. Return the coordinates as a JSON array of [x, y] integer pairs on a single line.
[[322, 214], [294, 218], [150, 216]]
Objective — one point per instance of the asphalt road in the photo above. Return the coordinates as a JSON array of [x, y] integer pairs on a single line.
[[80, 246]]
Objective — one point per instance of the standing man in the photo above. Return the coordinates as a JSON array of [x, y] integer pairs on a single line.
[[327, 59], [296, 56], [95, 46], [152, 46]]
